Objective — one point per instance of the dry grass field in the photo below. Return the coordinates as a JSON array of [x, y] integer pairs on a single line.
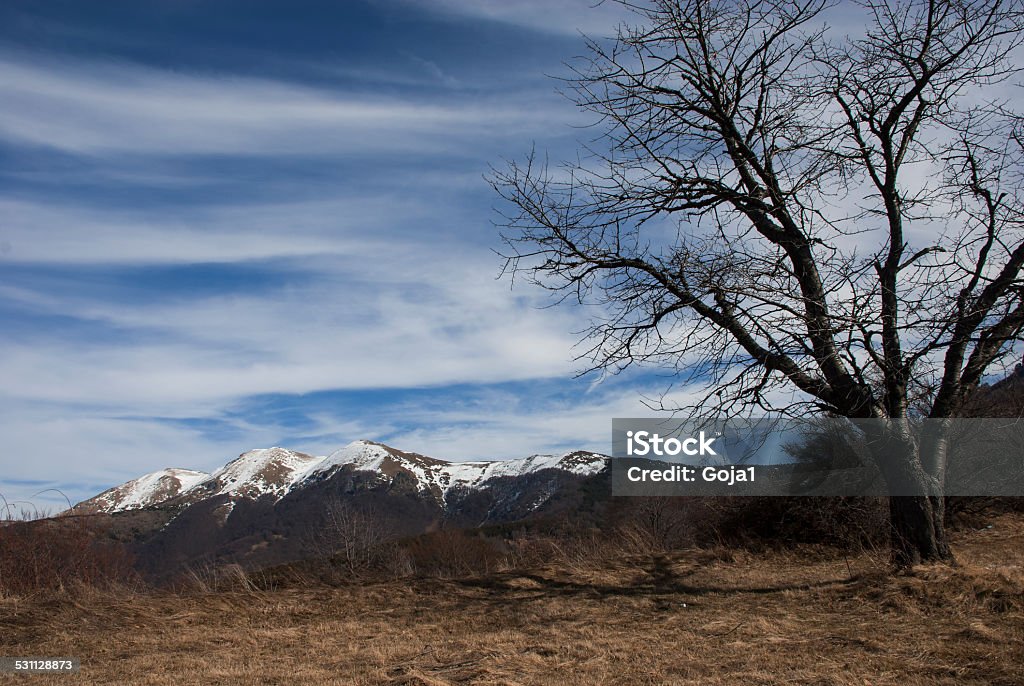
[[701, 617]]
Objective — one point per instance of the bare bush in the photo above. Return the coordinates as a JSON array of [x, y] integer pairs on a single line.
[[358, 542], [452, 553], [60, 554]]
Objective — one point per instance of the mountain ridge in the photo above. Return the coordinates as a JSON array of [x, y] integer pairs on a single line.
[[275, 472], [273, 505]]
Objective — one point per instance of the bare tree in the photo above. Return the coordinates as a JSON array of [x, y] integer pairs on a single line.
[[799, 219], [360, 541]]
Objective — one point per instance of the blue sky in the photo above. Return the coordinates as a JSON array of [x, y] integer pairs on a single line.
[[227, 225]]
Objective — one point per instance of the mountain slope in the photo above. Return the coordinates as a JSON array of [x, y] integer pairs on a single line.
[[148, 490], [439, 477], [255, 474]]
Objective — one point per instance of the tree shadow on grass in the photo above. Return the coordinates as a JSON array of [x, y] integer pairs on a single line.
[[658, 578]]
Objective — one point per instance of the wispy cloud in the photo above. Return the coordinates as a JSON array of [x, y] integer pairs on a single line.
[[595, 18], [37, 232], [332, 334], [104, 107]]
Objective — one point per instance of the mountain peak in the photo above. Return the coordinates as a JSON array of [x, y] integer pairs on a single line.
[[264, 471], [145, 491]]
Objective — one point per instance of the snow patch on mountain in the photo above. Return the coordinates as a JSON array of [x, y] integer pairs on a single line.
[[475, 474], [267, 471], [145, 491], [440, 476], [362, 455]]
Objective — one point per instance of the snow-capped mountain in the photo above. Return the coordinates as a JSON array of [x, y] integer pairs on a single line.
[[257, 473], [439, 476], [272, 473], [146, 491], [368, 456], [272, 505]]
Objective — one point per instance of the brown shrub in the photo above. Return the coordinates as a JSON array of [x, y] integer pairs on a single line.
[[666, 524], [59, 554], [452, 553]]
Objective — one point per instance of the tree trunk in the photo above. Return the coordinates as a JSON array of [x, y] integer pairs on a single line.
[[918, 530], [917, 513]]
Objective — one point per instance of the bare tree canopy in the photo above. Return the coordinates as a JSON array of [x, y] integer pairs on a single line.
[[800, 217]]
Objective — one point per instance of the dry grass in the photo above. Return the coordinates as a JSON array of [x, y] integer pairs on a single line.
[[707, 617]]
